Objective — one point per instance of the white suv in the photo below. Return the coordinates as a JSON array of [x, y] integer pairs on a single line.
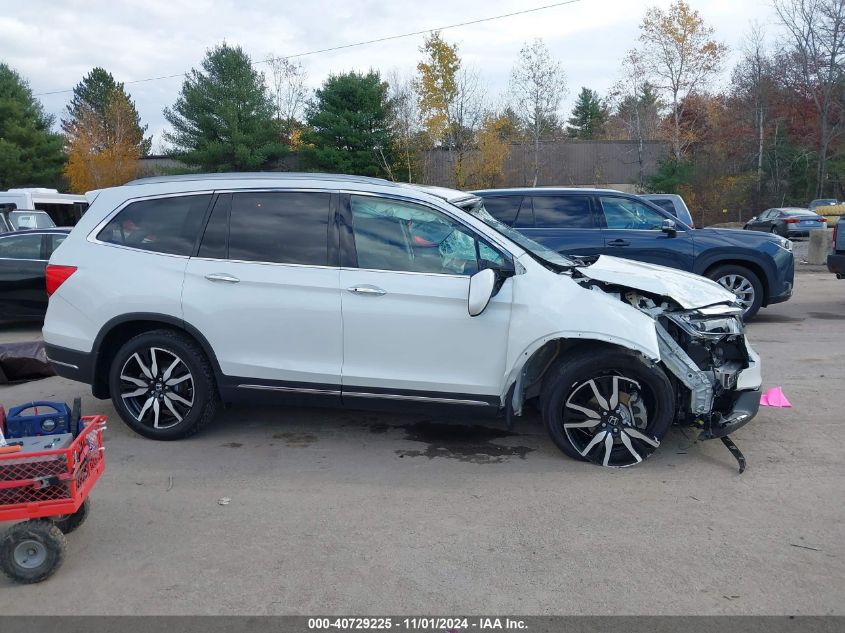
[[174, 294]]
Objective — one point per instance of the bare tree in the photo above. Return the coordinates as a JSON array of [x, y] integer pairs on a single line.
[[404, 121], [681, 55], [537, 87], [637, 107], [465, 115], [817, 29], [289, 92], [752, 83]]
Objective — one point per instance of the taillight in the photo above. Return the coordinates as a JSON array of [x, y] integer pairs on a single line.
[[833, 242], [822, 219], [792, 220], [57, 275]]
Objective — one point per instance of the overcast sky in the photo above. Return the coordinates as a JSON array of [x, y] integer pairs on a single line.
[[54, 43]]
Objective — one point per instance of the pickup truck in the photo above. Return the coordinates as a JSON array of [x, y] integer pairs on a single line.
[[836, 259]]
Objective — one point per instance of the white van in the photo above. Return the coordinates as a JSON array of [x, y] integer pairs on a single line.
[[64, 208]]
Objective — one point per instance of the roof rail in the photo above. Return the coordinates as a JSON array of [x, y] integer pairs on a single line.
[[261, 175]]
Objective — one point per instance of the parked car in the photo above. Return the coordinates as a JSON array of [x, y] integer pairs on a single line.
[[21, 219], [759, 270], [23, 260], [673, 203], [787, 222], [836, 259], [822, 202], [174, 293]]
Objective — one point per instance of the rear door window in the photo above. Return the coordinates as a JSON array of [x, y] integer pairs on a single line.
[[162, 225], [283, 227], [563, 212]]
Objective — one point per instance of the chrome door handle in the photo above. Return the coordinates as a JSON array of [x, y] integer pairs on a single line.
[[222, 277], [367, 290]]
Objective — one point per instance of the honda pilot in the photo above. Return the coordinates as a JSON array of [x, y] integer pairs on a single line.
[[174, 294]]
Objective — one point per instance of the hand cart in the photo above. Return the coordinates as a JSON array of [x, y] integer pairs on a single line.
[[48, 492]]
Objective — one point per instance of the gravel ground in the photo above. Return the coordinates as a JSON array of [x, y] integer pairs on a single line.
[[350, 512]]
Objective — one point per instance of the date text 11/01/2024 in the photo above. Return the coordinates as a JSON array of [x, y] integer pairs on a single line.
[[417, 623]]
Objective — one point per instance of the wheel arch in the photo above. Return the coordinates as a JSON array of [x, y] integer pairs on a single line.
[[122, 328], [526, 378]]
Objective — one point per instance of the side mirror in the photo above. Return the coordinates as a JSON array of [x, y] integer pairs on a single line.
[[481, 287], [669, 227]]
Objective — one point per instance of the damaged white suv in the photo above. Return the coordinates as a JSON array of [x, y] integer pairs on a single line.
[[174, 294]]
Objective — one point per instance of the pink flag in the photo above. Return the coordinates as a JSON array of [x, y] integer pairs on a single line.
[[774, 397]]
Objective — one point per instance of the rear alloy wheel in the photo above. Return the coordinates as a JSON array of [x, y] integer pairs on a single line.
[[162, 385], [610, 408], [744, 284]]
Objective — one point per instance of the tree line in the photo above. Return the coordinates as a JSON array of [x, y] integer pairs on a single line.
[[771, 136]]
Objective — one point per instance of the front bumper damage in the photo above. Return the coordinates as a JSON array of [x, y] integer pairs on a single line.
[[721, 399]]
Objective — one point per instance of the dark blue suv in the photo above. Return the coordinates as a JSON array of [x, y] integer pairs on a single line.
[[758, 268]]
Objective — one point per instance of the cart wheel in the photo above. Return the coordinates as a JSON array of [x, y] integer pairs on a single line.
[[67, 523], [32, 551]]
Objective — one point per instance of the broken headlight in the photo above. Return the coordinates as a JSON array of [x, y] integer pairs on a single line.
[[711, 323]]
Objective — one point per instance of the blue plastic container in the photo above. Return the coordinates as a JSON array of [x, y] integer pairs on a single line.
[[55, 420]]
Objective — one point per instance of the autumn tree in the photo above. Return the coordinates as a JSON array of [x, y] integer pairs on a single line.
[[681, 56], [103, 133], [537, 86], [487, 168], [92, 97], [589, 116], [436, 85], [817, 31], [30, 153], [102, 146], [223, 118], [450, 101], [349, 126]]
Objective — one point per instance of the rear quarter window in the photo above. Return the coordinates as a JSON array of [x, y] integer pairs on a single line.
[[161, 225], [503, 208]]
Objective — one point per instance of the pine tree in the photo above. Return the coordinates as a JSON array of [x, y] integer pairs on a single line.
[[30, 154], [224, 118], [92, 96], [349, 126], [589, 116]]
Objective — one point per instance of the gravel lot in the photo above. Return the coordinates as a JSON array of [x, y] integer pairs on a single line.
[[348, 512]]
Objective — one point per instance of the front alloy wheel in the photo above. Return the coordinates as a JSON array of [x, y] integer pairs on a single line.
[[608, 407], [606, 421]]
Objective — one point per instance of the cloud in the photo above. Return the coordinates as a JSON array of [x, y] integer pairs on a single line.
[[54, 44]]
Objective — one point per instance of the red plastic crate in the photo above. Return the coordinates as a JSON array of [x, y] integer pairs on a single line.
[[55, 482]]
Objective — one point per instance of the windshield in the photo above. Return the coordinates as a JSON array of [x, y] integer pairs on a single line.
[[31, 220], [538, 251]]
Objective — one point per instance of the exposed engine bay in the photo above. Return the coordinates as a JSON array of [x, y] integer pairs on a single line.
[[704, 350]]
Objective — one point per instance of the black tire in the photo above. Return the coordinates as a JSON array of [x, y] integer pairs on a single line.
[[32, 551], [729, 275], [175, 404], [643, 419], [67, 523]]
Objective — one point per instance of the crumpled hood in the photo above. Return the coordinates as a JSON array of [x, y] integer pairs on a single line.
[[688, 289]]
